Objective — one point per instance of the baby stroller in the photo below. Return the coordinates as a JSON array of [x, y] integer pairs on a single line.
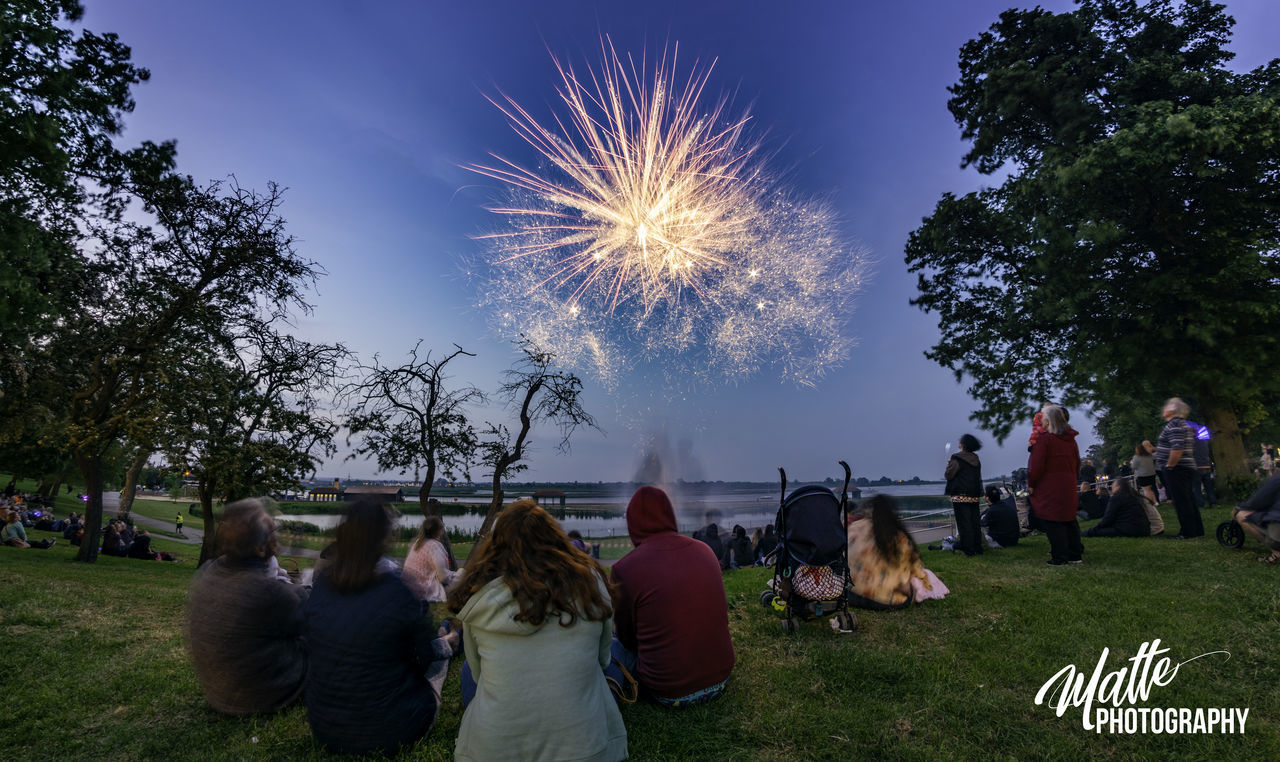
[[811, 562]]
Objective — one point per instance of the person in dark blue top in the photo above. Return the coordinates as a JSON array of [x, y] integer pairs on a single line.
[[1001, 519], [376, 662]]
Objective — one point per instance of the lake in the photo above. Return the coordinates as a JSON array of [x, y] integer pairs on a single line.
[[751, 509]]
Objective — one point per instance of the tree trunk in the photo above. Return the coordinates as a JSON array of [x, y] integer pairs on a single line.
[[47, 488], [1226, 440], [207, 549], [495, 506], [131, 480], [91, 472]]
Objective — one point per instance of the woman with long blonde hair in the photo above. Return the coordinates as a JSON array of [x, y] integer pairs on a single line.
[[537, 629]]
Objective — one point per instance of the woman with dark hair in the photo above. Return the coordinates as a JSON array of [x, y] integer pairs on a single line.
[[377, 663], [1125, 515], [884, 563], [1051, 477], [426, 568], [964, 485], [538, 630], [1144, 470]]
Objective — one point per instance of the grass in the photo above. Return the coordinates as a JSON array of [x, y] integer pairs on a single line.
[[97, 667]]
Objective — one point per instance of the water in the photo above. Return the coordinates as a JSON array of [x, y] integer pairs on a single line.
[[751, 509]]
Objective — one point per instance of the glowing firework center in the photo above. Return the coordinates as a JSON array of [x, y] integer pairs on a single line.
[[655, 235]]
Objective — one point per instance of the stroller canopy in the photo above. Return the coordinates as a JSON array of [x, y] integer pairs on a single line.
[[812, 526]]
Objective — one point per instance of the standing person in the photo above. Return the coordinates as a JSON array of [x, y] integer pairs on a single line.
[[672, 616], [1202, 485], [377, 663], [178, 524], [1088, 474], [1108, 470], [243, 623], [426, 568], [1175, 458], [964, 485], [1052, 470], [1144, 471], [537, 629]]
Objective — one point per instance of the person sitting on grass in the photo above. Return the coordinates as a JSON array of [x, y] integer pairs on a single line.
[[1001, 519], [739, 553], [15, 535], [710, 536], [536, 619], [884, 563], [575, 539], [1260, 517], [1125, 515], [672, 617], [377, 663], [243, 624], [426, 568], [140, 548]]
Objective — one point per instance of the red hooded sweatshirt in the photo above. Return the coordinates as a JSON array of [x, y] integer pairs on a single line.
[[671, 610]]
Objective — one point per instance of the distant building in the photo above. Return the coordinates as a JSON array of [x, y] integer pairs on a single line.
[[324, 495], [546, 497]]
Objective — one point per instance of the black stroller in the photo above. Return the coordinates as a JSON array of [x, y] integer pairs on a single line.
[[811, 563]]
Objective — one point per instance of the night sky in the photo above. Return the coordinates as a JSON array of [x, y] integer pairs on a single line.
[[366, 113]]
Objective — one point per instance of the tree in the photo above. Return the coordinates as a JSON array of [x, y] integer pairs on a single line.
[[210, 261], [62, 98], [1131, 250], [249, 421], [408, 417], [538, 392]]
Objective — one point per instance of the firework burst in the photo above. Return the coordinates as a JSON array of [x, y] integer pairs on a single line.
[[651, 232]]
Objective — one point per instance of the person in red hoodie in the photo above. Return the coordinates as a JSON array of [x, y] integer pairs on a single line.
[[672, 619], [1051, 476]]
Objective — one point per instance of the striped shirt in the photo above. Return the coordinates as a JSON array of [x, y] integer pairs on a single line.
[[1177, 435]]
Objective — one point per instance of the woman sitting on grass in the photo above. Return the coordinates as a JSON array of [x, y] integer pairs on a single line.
[[15, 535], [884, 563], [537, 616], [426, 568], [377, 663], [1125, 515], [244, 625]]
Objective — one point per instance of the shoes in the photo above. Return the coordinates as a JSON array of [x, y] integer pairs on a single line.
[[1055, 563], [1077, 561], [935, 546], [1272, 559], [451, 631], [1177, 537]]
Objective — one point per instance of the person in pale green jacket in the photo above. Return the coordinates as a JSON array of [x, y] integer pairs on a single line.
[[537, 619]]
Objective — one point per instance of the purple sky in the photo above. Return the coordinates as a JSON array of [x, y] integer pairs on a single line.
[[366, 111]]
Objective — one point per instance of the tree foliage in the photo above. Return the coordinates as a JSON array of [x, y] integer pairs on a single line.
[[1130, 252]]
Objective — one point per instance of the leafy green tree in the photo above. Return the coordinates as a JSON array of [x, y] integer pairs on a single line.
[[538, 392], [62, 97], [251, 421], [206, 262], [1130, 252]]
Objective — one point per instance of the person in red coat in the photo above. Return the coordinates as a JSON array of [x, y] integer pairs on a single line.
[[672, 617], [1051, 477]]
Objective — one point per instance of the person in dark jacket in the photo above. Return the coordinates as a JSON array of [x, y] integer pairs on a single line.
[[1088, 474], [1052, 470], [740, 554], [243, 622], [1125, 515], [1087, 504], [672, 617], [1001, 519], [710, 536], [376, 662], [964, 485], [768, 541]]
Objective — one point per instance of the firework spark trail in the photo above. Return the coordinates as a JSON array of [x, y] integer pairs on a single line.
[[656, 235]]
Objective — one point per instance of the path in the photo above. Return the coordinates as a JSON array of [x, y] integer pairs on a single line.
[[193, 536]]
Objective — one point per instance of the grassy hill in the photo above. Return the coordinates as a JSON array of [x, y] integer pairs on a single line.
[[97, 668]]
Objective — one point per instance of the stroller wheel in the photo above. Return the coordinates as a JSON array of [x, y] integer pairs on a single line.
[[847, 620], [790, 624], [766, 598], [1230, 535]]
